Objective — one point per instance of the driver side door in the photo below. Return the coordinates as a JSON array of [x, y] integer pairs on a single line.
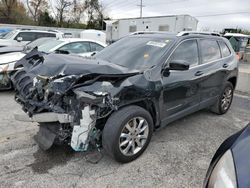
[[180, 94]]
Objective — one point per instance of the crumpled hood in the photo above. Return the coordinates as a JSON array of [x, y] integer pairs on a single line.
[[65, 65], [46, 78], [11, 57]]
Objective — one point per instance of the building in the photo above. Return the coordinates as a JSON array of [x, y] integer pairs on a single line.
[[116, 29]]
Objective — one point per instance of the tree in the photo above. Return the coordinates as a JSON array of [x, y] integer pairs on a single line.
[[62, 7], [44, 19], [78, 10], [12, 11], [95, 13], [36, 7], [6, 9]]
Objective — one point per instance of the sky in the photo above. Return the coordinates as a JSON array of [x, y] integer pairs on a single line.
[[213, 15]]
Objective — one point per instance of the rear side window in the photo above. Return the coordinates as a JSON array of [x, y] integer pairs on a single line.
[[95, 47], [186, 51], [224, 49], [41, 35], [210, 50]]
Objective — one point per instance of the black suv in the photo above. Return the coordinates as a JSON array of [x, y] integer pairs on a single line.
[[117, 98]]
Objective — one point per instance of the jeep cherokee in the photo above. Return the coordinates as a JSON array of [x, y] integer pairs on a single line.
[[117, 98]]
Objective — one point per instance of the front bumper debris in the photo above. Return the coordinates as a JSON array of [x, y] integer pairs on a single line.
[[80, 138], [80, 135], [44, 117]]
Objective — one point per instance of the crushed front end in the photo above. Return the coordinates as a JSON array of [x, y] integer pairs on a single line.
[[66, 113]]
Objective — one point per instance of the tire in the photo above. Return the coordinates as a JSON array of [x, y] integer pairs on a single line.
[[126, 148], [218, 106]]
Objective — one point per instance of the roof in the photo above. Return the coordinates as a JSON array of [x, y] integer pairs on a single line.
[[151, 17], [155, 35], [35, 30]]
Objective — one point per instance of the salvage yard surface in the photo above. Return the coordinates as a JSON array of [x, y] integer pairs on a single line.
[[178, 155]]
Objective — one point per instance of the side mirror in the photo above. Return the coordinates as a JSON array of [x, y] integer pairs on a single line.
[[19, 39], [179, 65]]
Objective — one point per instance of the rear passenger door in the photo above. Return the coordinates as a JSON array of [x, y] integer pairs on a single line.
[[213, 70]]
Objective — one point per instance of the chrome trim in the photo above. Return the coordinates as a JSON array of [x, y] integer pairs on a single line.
[[182, 33]]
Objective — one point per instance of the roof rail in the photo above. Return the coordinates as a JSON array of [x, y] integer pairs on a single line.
[[183, 33], [147, 32], [34, 29]]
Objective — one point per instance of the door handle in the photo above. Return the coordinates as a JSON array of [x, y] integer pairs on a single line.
[[199, 73], [225, 65]]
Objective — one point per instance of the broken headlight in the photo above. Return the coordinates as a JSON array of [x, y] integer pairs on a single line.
[[223, 174], [7, 67]]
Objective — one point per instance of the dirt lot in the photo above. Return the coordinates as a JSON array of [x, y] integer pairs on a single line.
[[177, 156]]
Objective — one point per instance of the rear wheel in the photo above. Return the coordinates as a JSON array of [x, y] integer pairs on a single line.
[[225, 100], [127, 133]]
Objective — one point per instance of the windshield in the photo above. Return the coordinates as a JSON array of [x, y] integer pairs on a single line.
[[37, 43], [135, 52], [9, 34], [49, 45]]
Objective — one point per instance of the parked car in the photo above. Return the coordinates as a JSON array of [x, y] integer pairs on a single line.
[[117, 98], [83, 47], [230, 165], [28, 47], [9, 56], [239, 42], [20, 37]]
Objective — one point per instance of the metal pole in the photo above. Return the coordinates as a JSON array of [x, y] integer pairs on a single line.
[[141, 10]]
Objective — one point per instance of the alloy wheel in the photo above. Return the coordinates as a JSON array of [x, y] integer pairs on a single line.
[[226, 98], [134, 135]]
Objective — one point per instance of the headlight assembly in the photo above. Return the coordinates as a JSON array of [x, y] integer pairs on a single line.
[[223, 174], [7, 67]]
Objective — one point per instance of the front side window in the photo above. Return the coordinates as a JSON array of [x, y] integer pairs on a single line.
[[210, 50], [224, 49], [77, 47], [187, 51], [26, 36]]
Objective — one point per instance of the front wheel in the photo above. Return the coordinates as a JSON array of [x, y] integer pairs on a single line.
[[225, 100], [127, 133]]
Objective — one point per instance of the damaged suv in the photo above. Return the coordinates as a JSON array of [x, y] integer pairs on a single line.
[[117, 98]]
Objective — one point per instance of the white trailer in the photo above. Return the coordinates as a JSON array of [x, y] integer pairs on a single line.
[[116, 29], [94, 35]]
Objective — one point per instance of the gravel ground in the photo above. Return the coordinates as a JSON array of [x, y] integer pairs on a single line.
[[177, 156]]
